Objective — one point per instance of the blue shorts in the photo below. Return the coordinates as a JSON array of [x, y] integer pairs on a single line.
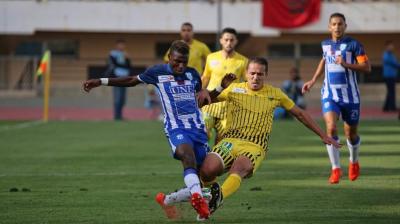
[[198, 141], [350, 112]]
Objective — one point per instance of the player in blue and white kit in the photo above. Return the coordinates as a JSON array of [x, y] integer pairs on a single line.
[[342, 58], [177, 86]]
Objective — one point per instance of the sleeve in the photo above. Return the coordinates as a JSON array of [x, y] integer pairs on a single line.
[[198, 79], [166, 56], [243, 72], [149, 76], [206, 50], [224, 94], [360, 54], [285, 101], [207, 69]]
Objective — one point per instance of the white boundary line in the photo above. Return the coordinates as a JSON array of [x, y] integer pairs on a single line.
[[21, 125]]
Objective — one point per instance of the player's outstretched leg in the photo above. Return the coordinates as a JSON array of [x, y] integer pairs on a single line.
[[216, 197], [170, 210]]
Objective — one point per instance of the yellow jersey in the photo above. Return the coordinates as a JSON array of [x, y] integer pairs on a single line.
[[217, 67], [250, 113], [197, 55]]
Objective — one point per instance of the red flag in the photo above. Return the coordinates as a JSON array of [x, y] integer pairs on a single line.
[[290, 13]]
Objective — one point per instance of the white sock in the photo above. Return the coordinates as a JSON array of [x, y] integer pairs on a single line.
[[353, 149], [334, 155], [180, 195], [192, 181]]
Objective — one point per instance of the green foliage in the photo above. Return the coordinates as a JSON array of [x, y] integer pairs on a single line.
[[109, 172]]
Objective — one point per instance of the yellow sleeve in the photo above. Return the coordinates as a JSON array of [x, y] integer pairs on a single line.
[[286, 102], [206, 51], [224, 94], [166, 59], [207, 70], [243, 75]]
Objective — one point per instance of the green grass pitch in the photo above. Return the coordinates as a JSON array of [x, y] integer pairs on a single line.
[[109, 172]]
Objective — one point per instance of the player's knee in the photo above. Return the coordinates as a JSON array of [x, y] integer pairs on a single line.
[[210, 169]]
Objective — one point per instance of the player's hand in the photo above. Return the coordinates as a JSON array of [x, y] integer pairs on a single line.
[[340, 61], [90, 84], [227, 80], [330, 141], [203, 98], [307, 86]]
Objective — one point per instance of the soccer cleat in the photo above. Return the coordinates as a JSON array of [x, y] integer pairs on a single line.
[[216, 197], [335, 176], [200, 205], [354, 171], [170, 211]]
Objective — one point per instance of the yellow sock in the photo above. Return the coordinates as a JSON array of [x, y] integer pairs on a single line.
[[231, 185]]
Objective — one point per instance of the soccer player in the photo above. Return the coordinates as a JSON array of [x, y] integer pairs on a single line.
[[343, 57], [250, 108], [218, 64], [198, 50], [177, 86]]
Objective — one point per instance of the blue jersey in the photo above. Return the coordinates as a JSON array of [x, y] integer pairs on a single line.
[[178, 96], [340, 84]]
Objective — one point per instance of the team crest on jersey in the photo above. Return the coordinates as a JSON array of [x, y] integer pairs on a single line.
[[189, 75], [238, 90], [165, 78], [343, 47]]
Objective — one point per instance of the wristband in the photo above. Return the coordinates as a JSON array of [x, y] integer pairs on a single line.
[[104, 81], [219, 89]]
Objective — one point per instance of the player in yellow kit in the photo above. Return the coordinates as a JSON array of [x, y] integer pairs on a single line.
[[250, 107], [218, 64], [198, 50]]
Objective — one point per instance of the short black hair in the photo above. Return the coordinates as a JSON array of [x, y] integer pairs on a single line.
[[337, 14], [187, 24], [229, 30], [260, 61], [180, 47]]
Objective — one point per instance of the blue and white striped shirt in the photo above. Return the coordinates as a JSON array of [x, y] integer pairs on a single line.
[[340, 83], [178, 96]]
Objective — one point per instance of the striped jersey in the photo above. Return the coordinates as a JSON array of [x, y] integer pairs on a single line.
[[340, 83], [250, 113], [177, 95]]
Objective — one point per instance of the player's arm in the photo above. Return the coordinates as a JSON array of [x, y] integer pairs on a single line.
[[318, 73], [361, 65], [226, 81], [306, 119], [127, 81]]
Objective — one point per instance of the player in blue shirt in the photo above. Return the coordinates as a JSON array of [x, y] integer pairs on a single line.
[[177, 86], [342, 58]]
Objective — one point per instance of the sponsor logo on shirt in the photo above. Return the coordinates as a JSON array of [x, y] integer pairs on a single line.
[[238, 90], [214, 63], [165, 78]]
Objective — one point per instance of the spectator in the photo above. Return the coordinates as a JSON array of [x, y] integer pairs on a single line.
[[152, 104], [292, 88], [119, 66], [390, 69], [198, 50]]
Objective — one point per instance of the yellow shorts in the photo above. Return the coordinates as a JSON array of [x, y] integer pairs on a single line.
[[229, 149], [214, 117]]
